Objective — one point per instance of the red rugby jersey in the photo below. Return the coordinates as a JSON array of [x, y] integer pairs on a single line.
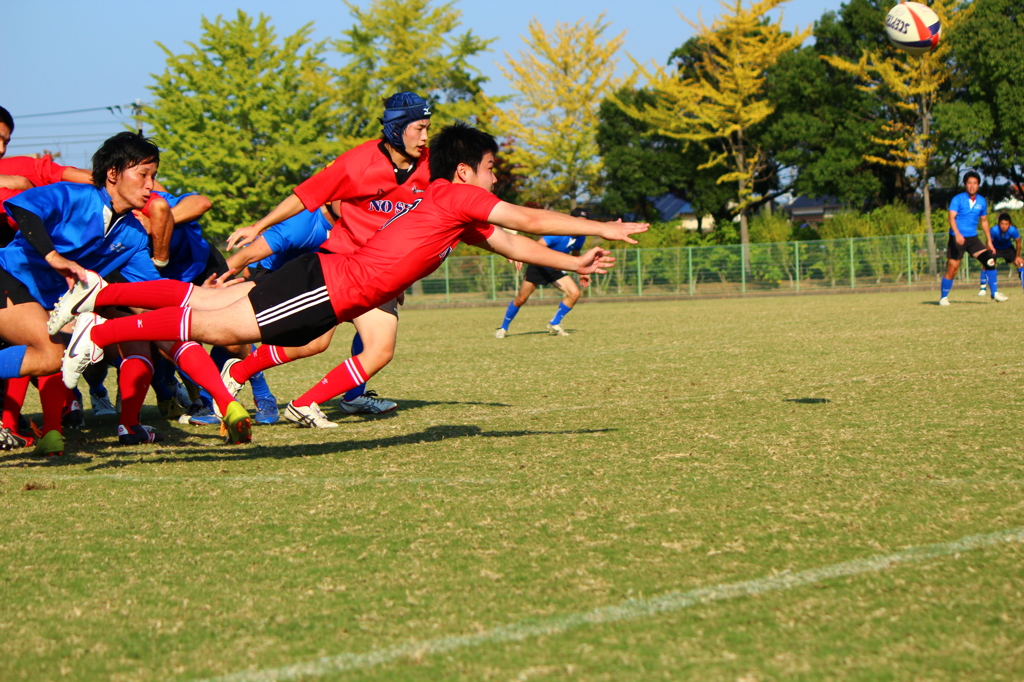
[[407, 248], [42, 171], [363, 179]]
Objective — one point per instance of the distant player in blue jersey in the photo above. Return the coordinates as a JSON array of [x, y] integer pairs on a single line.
[[537, 276], [1004, 242], [967, 211]]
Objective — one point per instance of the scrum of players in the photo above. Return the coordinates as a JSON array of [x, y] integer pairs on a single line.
[[104, 269]]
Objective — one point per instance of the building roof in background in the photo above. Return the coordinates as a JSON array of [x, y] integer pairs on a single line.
[[670, 207]]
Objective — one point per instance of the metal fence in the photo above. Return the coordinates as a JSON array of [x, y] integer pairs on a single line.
[[713, 270]]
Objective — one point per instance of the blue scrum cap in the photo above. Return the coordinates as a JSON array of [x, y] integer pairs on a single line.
[[399, 111]]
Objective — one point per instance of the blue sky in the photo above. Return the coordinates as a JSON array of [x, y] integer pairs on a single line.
[[61, 55]]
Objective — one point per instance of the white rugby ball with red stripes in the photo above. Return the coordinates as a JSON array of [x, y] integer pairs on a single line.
[[913, 27]]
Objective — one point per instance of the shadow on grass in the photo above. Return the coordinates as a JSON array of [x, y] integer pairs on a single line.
[[404, 405], [432, 434], [808, 401]]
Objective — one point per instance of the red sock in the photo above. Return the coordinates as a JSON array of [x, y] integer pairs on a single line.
[[262, 358], [134, 377], [52, 394], [341, 379], [17, 389], [166, 324], [161, 293], [199, 366]]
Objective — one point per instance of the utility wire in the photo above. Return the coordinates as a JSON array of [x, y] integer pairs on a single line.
[[119, 107]]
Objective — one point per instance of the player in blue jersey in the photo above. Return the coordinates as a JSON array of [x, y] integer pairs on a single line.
[[967, 212], [537, 276], [287, 240], [1004, 242]]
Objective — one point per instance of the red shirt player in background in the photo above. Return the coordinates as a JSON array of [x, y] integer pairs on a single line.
[[368, 185], [312, 293]]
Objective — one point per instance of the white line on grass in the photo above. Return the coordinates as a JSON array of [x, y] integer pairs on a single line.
[[632, 609]]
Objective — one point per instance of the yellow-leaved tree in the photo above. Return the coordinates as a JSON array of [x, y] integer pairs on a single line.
[[911, 87], [552, 122], [722, 95]]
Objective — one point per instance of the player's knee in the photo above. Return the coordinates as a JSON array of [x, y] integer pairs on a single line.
[[49, 358], [987, 260]]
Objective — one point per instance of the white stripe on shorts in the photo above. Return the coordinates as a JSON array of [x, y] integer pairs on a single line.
[[292, 306]]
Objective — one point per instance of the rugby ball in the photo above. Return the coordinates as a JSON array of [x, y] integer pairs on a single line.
[[913, 27]]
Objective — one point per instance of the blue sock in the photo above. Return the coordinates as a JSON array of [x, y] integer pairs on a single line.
[[220, 355], [993, 277], [510, 314], [984, 279], [95, 380], [947, 286], [258, 383], [563, 310], [355, 392], [10, 361], [163, 372], [1020, 271]]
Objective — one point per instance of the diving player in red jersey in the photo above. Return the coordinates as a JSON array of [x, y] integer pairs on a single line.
[[369, 185], [312, 293]]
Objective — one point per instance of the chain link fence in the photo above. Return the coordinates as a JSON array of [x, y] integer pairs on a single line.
[[805, 266]]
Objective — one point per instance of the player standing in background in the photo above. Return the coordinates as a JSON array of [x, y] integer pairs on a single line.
[[371, 183], [967, 211], [1004, 242], [537, 276]]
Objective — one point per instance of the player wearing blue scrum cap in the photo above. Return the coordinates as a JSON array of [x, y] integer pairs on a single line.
[[369, 185], [967, 211], [537, 276]]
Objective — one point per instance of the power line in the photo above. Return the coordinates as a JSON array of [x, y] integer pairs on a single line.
[[119, 107]]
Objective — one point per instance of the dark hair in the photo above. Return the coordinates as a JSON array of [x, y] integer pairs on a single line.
[[971, 174], [5, 118], [121, 152], [1006, 217], [578, 212], [455, 144]]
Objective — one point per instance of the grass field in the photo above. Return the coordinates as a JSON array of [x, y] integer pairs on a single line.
[[742, 489]]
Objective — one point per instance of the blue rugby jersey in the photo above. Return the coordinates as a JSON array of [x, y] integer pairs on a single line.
[[81, 223], [297, 236], [1004, 240], [189, 250], [967, 216], [564, 244]]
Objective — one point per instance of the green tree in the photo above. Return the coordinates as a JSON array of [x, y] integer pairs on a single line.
[[560, 82], [242, 117], [397, 45], [988, 116], [726, 97]]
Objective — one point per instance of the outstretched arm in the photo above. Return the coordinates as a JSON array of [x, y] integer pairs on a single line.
[[519, 248], [243, 236], [79, 175], [15, 182], [539, 221], [257, 250], [191, 208]]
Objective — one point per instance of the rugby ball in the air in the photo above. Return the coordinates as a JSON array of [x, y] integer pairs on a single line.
[[913, 27]]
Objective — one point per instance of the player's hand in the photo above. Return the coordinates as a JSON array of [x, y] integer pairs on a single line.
[[584, 281], [222, 282], [518, 265], [69, 269], [619, 231], [595, 260], [401, 298], [959, 239], [243, 236]]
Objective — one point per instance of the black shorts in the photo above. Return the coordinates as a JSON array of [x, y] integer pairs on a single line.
[[542, 276], [292, 305], [257, 275], [972, 245], [12, 288], [1008, 255], [215, 265]]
